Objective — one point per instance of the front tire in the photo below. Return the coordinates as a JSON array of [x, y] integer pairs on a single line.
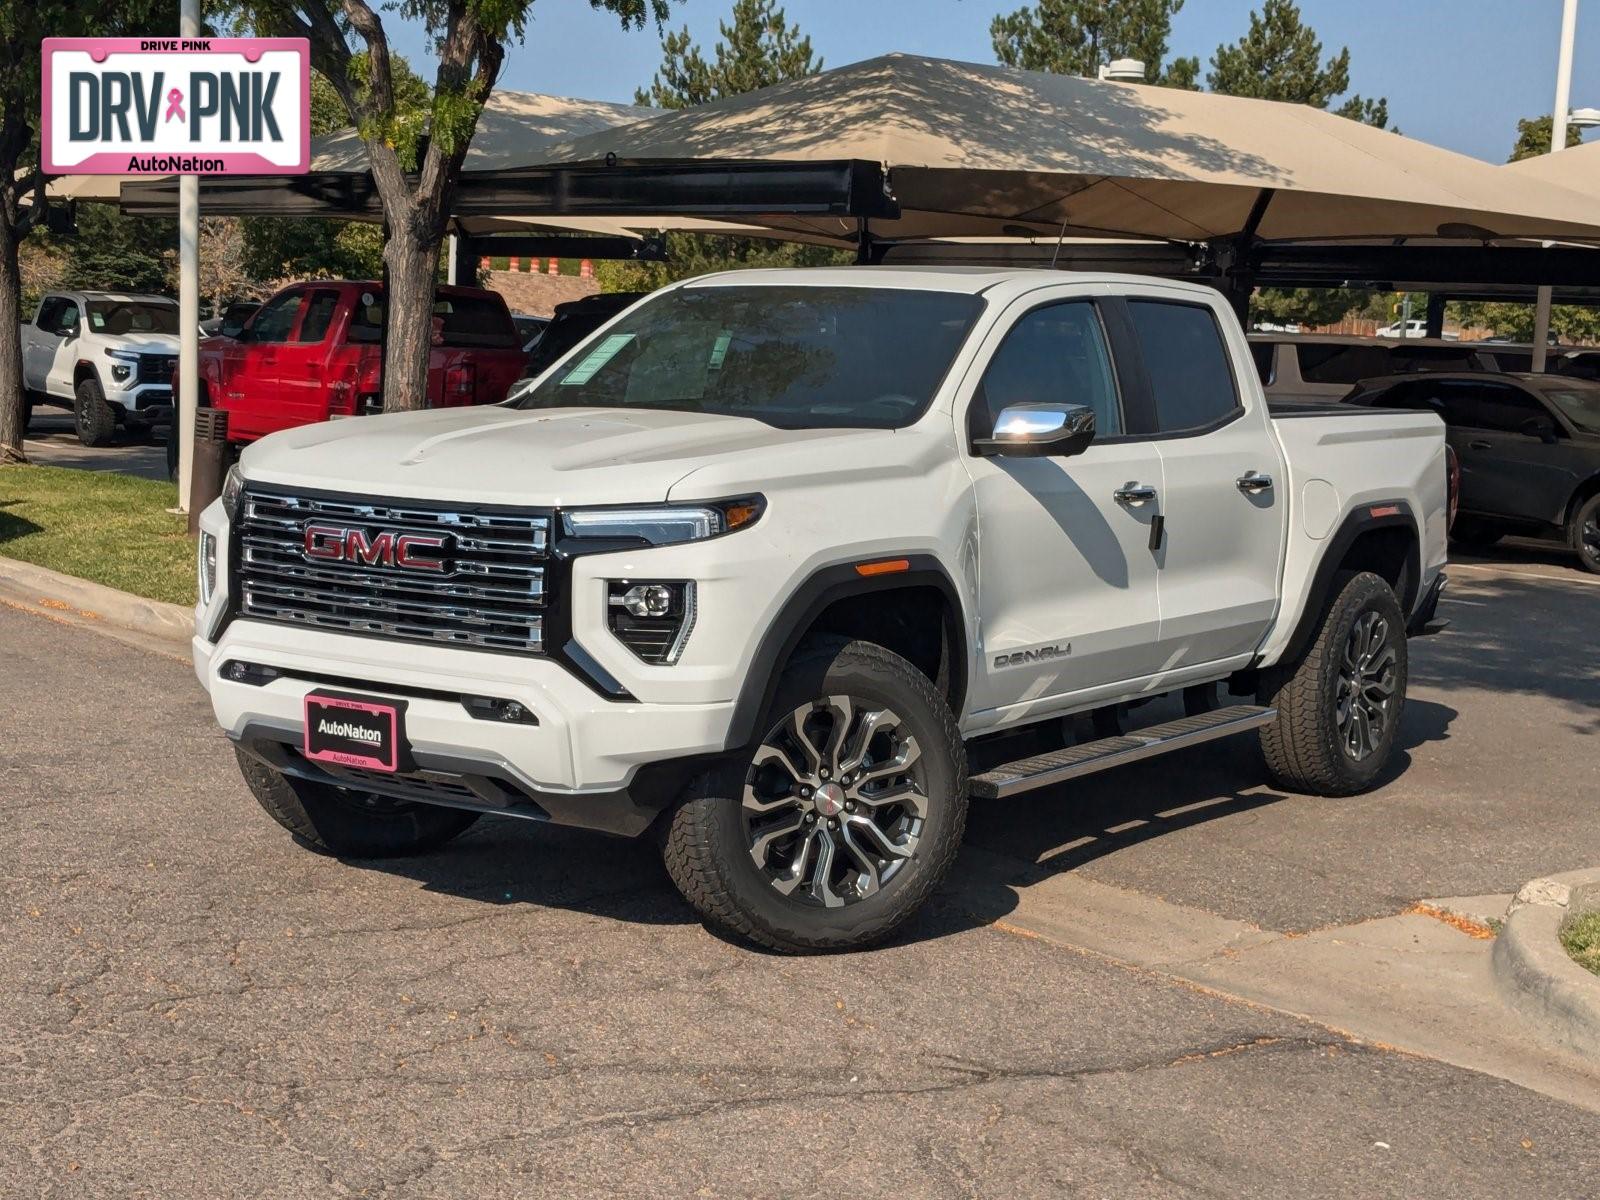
[[96, 423], [1583, 534], [838, 825], [350, 823], [1340, 705]]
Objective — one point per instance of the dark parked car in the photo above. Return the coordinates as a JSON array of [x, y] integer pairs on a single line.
[[1528, 447], [572, 322]]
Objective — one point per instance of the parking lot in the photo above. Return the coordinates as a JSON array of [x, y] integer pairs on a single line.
[[53, 442], [196, 1007]]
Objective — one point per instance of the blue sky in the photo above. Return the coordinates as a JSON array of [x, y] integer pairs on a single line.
[[1457, 72]]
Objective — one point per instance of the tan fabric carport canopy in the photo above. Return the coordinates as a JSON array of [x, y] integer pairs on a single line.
[[977, 150], [1577, 169]]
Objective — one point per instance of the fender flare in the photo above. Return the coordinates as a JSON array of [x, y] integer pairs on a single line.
[[1370, 515], [825, 586]]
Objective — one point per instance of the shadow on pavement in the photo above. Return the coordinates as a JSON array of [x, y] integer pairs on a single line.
[[1045, 833]]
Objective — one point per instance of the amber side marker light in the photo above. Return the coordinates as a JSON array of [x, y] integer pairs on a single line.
[[1385, 510], [889, 566], [737, 515]]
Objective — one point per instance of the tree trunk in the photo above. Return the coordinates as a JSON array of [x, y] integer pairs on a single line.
[[13, 402], [413, 262]]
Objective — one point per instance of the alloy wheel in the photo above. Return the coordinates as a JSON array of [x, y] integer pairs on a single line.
[[1589, 537], [835, 801], [1365, 693]]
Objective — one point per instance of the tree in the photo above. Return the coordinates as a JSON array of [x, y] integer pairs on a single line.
[[276, 248], [23, 25], [1078, 37], [1280, 58], [758, 49], [415, 148], [1534, 134]]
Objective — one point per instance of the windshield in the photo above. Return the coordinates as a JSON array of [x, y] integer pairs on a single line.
[[795, 357], [132, 316], [1581, 406]]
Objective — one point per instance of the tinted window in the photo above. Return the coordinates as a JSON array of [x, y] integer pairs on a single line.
[[1263, 353], [276, 318], [1053, 355], [1580, 403], [1430, 358], [1186, 362], [319, 315], [1507, 409], [795, 357], [476, 321], [51, 311], [1339, 362]]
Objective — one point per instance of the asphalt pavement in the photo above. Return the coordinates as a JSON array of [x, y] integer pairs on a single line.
[[192, 1005], [52, 441]]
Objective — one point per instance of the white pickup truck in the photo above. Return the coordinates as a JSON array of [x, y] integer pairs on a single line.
[[765, 563], [108, 356]]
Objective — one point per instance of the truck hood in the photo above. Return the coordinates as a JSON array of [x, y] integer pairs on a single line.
[[544, 458], [148, 343]]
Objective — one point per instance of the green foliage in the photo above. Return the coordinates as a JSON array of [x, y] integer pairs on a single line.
[[759, 48], [286, 248], [114, 252], [1570, 324], [1305, 306], [1280, 58], [1078, 37], [1534, 135]]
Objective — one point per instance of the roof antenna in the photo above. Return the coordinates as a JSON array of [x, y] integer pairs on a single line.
[[1060, 237]]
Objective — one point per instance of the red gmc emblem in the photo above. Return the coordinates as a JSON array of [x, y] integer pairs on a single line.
[[386, 548]]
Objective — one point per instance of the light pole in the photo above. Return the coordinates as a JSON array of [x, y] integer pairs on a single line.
[[1558, 142], [188, 397]]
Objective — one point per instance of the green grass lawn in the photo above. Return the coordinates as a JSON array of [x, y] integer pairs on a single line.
[[1582, 940], [113, 529]]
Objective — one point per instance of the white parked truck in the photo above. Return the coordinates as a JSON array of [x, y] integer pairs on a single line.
[[108, 356], [775, 561]]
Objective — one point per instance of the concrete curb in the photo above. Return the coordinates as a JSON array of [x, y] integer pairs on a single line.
[[1533, 970], [52, 592]]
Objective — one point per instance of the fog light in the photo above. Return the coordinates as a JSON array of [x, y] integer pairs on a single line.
[[652, 619]]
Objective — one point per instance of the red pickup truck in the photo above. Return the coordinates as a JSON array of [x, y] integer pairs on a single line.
[[312, 353]]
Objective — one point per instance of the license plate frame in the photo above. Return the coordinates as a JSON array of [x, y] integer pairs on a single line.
[[355, 717]]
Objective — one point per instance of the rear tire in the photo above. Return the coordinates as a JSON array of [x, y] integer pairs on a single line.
[[96, 422], [1583, 534], [1340, 704], [350, 823], [836, 828]]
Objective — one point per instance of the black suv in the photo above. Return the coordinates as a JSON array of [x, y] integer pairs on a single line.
[[1529, 449]]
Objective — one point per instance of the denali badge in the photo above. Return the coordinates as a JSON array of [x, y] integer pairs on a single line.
[[386, 548], [1022, 657]]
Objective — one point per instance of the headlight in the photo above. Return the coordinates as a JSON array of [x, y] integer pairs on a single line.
[[124, 355], [232, 487], [663, 524]]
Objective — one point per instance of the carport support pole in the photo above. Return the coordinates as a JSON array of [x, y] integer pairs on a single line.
[[1558, 143], [188, 397], [1436, 303]]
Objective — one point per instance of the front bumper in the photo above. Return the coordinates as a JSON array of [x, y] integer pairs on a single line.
[[146, 401], [589, 762]]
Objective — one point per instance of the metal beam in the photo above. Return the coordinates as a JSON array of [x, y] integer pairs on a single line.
[[559, 246]]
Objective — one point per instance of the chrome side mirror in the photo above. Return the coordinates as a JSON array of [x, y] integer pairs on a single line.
[[1039, 431]]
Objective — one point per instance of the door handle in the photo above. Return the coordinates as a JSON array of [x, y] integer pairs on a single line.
[[1134, 493], [1478, 446], [1254, 482]]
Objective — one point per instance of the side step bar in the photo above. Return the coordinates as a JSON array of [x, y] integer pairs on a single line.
[[1045, 769]]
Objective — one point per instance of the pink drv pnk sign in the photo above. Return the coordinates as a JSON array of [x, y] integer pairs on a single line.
[[170, 106]]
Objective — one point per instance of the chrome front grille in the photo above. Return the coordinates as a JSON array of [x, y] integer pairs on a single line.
[[487, 590]]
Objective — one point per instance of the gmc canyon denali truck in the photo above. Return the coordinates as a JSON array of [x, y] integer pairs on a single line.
[[768, 559], [107, 356]]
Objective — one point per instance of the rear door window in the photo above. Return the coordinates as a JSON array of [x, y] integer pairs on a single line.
[[1187, 364], [476, 321], [320, 310]]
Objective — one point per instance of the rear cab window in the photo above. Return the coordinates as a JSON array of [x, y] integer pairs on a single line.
[[464, 322]]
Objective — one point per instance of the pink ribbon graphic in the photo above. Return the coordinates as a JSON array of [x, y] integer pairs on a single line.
[[174, 106]]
